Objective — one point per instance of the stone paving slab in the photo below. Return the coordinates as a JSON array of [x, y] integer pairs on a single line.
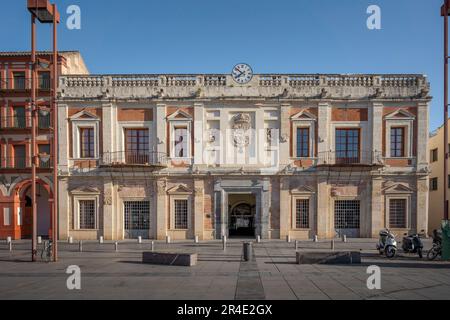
[[219, 275]]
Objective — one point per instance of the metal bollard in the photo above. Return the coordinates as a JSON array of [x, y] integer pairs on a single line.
[[332, 244], [116, 246], [101, 240], [153, 246], [39, 240], [80, 246], [248, 251], [288, 239], [344, 238], [10, 246], [196, 239], [258, 239], [296, 245], [139, 240], [70, 240], [167, 239], [224, 243], [8, 240], [316, 239]]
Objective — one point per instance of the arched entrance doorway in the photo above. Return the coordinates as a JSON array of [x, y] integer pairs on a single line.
[[25, 210], [242, 211]]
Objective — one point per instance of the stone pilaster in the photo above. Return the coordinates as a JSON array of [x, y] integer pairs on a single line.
[[199, 128], [160, 128], [63, 138], [285, 134], [109, 225], [324, 144], [422, 136], [285, 207], [162, 209], [324, 214], [377, 207], [199, 208], [108, 128], [265, 206], [63, 209], [422, 204], [376, 117]]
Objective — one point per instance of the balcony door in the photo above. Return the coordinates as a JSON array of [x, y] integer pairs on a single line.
[[137, 146], [348, 146]]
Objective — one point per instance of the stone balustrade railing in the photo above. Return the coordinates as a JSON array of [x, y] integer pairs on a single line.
[[264, 85]]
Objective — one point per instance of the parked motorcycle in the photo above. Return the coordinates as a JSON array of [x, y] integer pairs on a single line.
[[413, 244], [436, 250], [387, 244]]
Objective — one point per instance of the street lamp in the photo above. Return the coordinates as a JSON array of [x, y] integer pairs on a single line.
[[44, 12]]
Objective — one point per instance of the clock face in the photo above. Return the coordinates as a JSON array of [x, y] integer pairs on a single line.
[[242, 73]]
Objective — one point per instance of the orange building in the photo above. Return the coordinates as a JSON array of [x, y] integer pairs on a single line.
[[15, 140]]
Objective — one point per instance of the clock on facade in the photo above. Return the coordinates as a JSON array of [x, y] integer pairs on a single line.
[[242, 73]]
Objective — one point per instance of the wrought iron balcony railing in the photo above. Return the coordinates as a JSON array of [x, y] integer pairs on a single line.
[[24, 122], [350, 158], [124, 158], [20, 83], [11, 163]]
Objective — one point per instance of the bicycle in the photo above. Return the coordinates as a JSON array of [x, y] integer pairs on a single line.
[[47, 251]]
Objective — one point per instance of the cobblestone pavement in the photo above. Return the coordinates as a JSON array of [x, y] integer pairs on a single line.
[[107, 274]]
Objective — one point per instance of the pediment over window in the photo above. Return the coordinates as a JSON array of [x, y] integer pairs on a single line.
[[400, 114], [84, 115], [85, 190], [179, 189], [397, 188], [304, 115], [302, 189], [180, 115]]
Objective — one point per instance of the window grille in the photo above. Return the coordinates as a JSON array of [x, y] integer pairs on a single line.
[[302, 214], [87, 214], [181, 214], [397, 213], [347, 214], [137, 215]]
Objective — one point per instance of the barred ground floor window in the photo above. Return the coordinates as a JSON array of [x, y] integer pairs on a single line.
[[397, 213], [181, 214], [87, 214], [302, 213]]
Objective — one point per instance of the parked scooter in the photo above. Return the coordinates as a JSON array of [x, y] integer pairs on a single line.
[[387, 244], [413, 244], [436, 250]]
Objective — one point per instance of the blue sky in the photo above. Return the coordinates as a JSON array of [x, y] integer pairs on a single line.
[[274, 36]]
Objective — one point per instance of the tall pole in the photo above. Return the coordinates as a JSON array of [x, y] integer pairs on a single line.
[[55, 138], [446, 109], [33, 138]]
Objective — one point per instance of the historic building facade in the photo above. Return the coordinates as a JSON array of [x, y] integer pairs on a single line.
[[15, 140], [202, 155]]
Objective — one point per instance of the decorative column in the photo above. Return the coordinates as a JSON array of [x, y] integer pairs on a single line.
[[285, 207], [160, 129], [422, 203], [324, 143], [218, 209], [422, 136], [265, 206], [376, 113], [198, 133], [199, 208]]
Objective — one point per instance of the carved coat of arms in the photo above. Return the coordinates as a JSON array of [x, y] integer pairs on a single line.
[[241, 127]]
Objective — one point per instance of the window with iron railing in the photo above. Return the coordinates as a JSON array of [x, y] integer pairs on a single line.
[[397, 213], [44, 80], [19, 118], [137, 146], [181, 214], [87, 214], [19, 80], [302, 213], [347, 146], [19, 157]]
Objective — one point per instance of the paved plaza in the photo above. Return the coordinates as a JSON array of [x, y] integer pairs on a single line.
[[107, 274]]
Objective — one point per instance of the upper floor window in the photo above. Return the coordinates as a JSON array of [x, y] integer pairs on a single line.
[[19, 118], [347, 146], [433, 184], [397, 142], [180, 142], [303, 142], [87, 143], [19, 80], [44, 80], [434, 155], [137, 146]]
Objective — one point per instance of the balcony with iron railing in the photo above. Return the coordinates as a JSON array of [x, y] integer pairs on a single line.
[[23, 122], [44, 162], [368, 159], [119, 159], [23, 84]]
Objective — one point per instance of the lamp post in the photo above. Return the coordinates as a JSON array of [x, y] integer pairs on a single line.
[[44, 12], [445, 12]]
